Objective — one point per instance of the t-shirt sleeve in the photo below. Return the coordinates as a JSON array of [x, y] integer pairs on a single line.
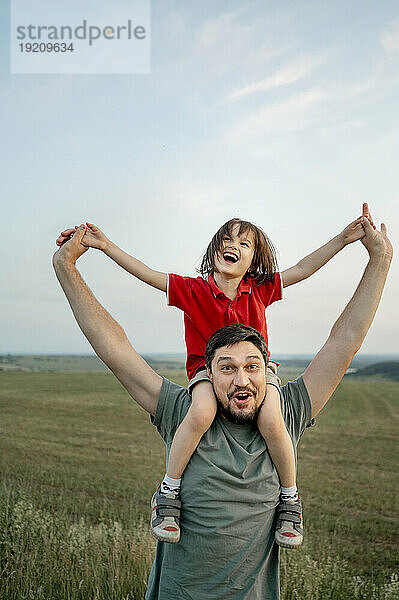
[[296, 408], [173, 404], [271, 291], [179, 292]]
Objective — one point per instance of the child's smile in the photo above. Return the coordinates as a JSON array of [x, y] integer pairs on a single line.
[[230, 257]]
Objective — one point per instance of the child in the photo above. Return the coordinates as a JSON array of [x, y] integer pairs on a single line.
[[239, 279]]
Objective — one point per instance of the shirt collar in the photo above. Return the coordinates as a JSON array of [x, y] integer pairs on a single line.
[[243, 288]]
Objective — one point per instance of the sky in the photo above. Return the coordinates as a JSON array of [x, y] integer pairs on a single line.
[[281, 113]]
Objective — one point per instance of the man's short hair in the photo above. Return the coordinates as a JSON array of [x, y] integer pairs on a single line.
[[233, 334]]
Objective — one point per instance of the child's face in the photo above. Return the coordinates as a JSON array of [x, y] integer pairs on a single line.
[[235, 257]]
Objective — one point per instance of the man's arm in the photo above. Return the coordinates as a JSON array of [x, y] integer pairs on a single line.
[[105, 335], [317, 259], [95, 238], [329, 366]]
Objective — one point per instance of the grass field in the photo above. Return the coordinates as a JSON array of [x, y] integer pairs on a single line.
[[79, 462]]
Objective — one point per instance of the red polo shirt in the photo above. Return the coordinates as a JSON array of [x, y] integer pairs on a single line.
[[206, 309]]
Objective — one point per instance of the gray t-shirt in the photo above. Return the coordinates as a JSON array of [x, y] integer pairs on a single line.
[[229, 493]]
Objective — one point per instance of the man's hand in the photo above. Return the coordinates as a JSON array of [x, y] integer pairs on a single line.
[[366, 213], [93, 238], [71, 248], [65, 235], [376, 242], [355, 230]]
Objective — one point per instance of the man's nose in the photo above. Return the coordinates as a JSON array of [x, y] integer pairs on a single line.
[[241, 378]]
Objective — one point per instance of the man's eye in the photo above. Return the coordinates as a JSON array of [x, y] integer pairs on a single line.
[[254, 367], [226, 368], [245, 244]]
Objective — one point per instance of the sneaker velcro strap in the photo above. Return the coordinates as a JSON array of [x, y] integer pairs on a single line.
[[162, 501], [291, 518], [167, 511], [290, 508]]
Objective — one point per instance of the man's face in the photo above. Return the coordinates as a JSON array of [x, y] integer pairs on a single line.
[[239, 381]]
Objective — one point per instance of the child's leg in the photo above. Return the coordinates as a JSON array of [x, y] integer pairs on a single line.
[[190, 431], [165, 504], [289, 530], [272, 427]]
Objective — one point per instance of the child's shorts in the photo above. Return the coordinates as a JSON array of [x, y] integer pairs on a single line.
[[271, 376], [201, 375]]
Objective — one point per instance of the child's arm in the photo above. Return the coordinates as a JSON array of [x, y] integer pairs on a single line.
[[95, 238], [314, 261]]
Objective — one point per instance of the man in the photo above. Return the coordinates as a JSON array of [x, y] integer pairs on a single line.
[[226, 549]]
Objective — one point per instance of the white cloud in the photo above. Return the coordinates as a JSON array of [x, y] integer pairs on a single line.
[[235, 42], [288, 74], [290, 115], [390, 37]]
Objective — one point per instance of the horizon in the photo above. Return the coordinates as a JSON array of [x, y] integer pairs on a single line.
[[183, 356]]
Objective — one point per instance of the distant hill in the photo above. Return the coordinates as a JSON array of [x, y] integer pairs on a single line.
[[385, 370], [78, 364]]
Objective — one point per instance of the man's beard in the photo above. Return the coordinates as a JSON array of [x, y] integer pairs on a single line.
[[241, 418]]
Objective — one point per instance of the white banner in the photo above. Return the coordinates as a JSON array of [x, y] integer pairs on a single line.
[[94, 36]]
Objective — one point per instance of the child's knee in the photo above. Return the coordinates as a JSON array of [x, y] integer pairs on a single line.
[[201, 417]]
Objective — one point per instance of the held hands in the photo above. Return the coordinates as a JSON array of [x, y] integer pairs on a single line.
[[376, 242], [93, 237], [355, 230], [72, 247]]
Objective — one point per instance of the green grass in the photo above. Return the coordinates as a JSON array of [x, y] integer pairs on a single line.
[[79, 462]]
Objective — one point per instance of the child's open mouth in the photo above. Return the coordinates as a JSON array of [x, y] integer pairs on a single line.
[[229, 257]]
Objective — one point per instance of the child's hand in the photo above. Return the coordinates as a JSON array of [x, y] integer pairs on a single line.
[[93, 238], [355, 231]]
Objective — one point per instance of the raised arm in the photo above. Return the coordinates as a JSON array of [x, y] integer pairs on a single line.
[[105, 335], [95, 238], [329, 366], [317, 259]]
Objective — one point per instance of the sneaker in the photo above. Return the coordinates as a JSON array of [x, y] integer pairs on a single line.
[[165, 516], [289, 528]]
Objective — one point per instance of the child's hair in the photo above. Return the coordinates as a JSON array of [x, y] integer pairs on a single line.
[[264, 262]]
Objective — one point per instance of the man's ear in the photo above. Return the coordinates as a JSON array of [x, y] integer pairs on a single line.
[[209, 373]]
